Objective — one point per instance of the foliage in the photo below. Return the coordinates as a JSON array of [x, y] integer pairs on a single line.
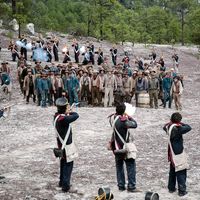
[[148, 21]]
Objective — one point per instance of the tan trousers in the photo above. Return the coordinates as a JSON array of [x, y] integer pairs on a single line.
[[108, 98], [153, 95], [177, 101]]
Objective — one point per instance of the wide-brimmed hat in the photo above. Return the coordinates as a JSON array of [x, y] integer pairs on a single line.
[[28, 64]]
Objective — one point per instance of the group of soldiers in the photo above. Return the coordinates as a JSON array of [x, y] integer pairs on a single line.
[[102, 85]]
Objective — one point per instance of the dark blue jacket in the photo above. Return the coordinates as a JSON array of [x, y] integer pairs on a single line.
[[38, 84], [122, 125], [167, 84], [177, 136], [72, 84], [44, 85], [62, 126]]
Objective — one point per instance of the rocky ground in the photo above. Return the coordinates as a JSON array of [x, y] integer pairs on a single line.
[[27, 138]]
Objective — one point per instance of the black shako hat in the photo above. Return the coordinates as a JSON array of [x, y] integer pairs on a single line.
[[62, 101]]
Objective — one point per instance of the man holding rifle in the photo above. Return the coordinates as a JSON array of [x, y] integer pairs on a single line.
[[62, 120]]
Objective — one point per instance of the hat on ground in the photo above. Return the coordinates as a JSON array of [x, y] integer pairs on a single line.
[[61, 101]]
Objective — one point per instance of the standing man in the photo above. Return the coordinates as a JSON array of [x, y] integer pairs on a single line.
[[110, 86], [177, 90], [29, 86], [73, 88], [44, 90], [55, 49], [166, 87], [100, 57], [126, 86], [13, 48], [23, 50], [94, 89], [132, 82], [126, 60], [85, 86], [175, 62], [175, 130], [114, 55], [153, 89], [121, 126], [100, 85], [62, 120], [76, 51], [58, 86], [91, 53]]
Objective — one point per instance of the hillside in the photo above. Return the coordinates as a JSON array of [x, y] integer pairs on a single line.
[[157, 21]]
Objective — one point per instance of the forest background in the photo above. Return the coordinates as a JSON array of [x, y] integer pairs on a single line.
[[143, 21]]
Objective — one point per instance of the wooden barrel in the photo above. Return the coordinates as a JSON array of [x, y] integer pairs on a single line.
[[151, 196], [143, 100]]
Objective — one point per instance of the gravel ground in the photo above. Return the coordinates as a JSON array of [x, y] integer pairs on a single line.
[[27, 138]]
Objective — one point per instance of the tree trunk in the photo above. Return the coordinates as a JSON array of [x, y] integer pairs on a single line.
[[13, 7], [182, 27]]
